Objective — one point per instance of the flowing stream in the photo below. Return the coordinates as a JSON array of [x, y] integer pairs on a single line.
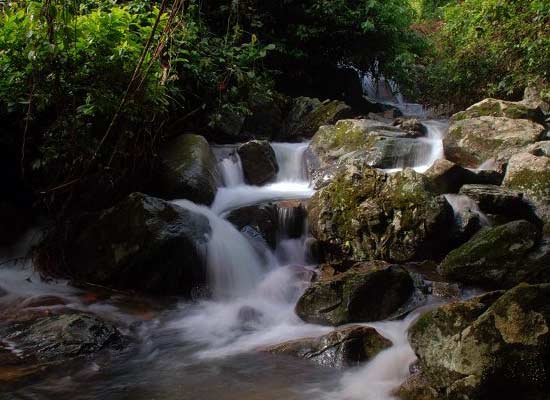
[[209, 349]]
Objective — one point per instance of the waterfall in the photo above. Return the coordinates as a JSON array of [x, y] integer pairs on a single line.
[[233, 265], [460, 203], [290, 157]]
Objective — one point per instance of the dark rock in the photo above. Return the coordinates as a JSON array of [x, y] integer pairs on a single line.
[[488, 177], [366, 214], [365, 292], [501, 201], [142, 243], [341, 348], [493, 346], [267, 118], [411, 125], [259, 162], [227, 126], [308, 115], [448, 177], [189, 170], [62, 337], [292, 218], [501, 256], [446, 290], [262, 218]]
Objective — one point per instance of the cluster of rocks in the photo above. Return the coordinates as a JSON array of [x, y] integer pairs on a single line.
[[373, 227]]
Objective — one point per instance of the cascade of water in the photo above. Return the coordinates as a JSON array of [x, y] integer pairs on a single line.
[[234, 266], [290, 157], [460, 203]]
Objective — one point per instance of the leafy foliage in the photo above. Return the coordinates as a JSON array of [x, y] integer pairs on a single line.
[[490, 48]]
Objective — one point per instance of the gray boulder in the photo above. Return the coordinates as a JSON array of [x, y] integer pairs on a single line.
[[259, 161]]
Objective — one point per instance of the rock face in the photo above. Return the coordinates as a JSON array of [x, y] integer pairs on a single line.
[[352, 135], [307, 115], [502, 108], [143, 243], [498, 257], [262, 218], [343, 347], [501, 201], [62, 337], [493, 346], [259, 162], [530, 174], [366, 214], [189, 170], [448, 177], [366, 292], [472, 141]]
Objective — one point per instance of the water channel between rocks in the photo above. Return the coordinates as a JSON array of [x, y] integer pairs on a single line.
[[208, 349]]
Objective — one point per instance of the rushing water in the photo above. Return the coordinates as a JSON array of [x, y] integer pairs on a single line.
[[209, 349]]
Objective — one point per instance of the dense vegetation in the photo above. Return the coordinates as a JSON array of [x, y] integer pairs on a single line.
[[487, 48], [89, 88]]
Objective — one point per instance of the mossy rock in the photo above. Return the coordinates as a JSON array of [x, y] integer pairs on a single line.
[[189, 170], [501, 108], [493, 346], [530, 174], [496, 257], [366, 292], [472, 141], [307, 115], [366, 214]]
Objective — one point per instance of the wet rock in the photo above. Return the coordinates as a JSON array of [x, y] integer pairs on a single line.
[[307, 115], [530, 174], [366, 214], [533, 98], [493, 346], [448, 177], [62, 337], [262, 218], [143, 243], [417, 387], [267, 117], [366, 292], [467, 223], [501, 201], [346, 136], [472, 141], [446, 290], [292, 218], [411, 125], [501, 108], [488, 177], [343, 347], [259, 162], [500, 256], [189, 170]]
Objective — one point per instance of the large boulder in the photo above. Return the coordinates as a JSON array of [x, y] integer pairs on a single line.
[[365, 292], [61, 336], [142, 243], [534, 97], [259, 161], [261, 218], [496, 346], [307, 115], [507, 203], [344, 347], [530, 174], [189, 170], [331, 142], [500, 256], [367, 214], [501, 108], [448, 177], [472, 141]]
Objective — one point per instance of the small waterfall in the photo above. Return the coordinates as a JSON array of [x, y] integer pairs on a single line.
[[460, 203], [290, 157], [230, 166], [234, 266]]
